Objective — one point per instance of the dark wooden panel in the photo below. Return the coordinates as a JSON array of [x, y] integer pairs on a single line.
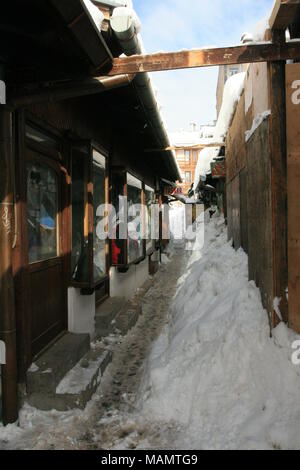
[[277, 139], [46, 305], [259, 203], [244, 210], [229, 210], [235, 208], [235, 141]]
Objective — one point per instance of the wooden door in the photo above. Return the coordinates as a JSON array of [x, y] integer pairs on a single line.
[[47, 289]]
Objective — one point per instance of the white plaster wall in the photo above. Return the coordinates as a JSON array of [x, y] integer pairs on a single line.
[[81, 312], [126, 285]]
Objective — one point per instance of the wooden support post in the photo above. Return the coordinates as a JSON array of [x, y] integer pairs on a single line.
[[276, 80], [293, 172], [7, 301]]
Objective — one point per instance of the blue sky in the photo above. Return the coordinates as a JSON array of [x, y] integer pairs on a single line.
[[169, 25]]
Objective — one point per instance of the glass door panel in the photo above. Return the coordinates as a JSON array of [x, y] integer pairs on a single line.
[[99, 199], [42, 212], [135, 227]]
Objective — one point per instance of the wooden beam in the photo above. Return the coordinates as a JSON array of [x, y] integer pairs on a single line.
[[244, 54], [193, 147], [283, 13]]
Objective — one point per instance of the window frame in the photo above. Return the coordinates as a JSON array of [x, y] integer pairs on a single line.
[[148, 251], [104, 154], [37, 157], [52, 157], [124, 265], [47, 130], [187, 156], [90, 285], [190, 177]]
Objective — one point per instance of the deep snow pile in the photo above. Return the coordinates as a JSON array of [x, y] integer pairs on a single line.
[[215, 373], [232, 92]]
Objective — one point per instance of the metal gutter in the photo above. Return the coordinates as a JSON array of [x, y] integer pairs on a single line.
[[125, 27], [71, 90]]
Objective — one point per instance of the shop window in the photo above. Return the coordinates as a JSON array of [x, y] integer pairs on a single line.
[[42, 212], [128, 244], [80, 239], [99, 199], [88, 253], [118, 191], [135, 219], [41, 137], [149, 201]]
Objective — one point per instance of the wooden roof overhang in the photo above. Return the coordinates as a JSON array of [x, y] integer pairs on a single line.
[[49, 41], [127, 116]]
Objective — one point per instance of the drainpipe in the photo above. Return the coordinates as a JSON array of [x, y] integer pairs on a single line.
[[125, 25], [71, 90], [7, 304]]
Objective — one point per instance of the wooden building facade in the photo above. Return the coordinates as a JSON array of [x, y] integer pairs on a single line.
[[187, 158], [70, 144], [262, 146]]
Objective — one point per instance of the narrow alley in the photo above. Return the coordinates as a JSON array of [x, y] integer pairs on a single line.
[[184, 378], [120, 385], [149, 227]]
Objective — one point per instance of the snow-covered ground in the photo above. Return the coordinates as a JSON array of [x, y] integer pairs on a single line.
[[214, 378], [215, 372]]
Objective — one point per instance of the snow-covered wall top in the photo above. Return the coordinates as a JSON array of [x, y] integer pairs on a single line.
[[232, 92]]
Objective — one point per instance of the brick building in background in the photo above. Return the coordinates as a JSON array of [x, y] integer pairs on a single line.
[[187, 152]]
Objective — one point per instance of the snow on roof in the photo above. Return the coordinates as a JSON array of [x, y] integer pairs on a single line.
[[232, 92], [207, 131], [260, 29], [206, 156], [184, 138], [256, 123], [96, 14], [258, 33], [191, 138]]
